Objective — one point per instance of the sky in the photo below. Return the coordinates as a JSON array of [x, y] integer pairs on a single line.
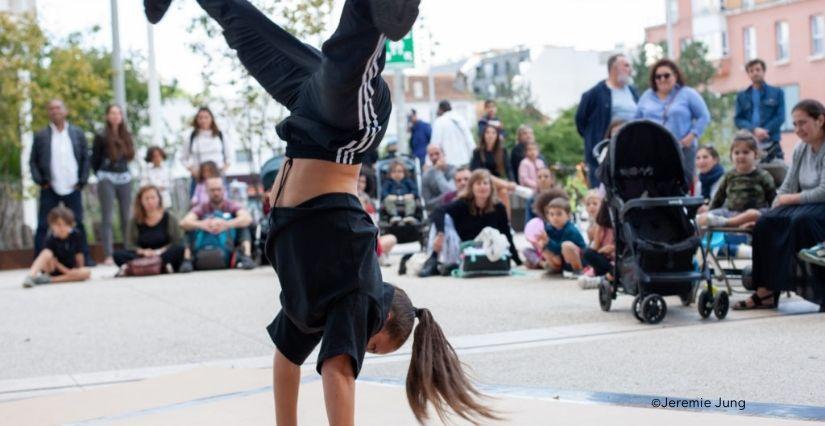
[[460, 27]]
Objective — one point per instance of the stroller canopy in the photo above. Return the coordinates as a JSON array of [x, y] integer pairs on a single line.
[[644, 156]]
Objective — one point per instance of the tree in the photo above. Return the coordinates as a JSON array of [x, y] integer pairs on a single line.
[[253, 111]]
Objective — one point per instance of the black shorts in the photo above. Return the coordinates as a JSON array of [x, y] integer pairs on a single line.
[[339, 103], [331, 286]]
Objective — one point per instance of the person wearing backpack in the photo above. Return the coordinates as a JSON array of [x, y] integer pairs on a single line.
[[215, 229], [205, 143]]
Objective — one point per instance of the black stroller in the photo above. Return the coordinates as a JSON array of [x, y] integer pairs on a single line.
[[654, 223], [406, 233]]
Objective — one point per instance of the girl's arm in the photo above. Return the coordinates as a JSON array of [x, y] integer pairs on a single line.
[[719, 198]]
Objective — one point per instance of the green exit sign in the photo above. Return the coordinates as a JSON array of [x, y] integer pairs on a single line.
[[401, 54]]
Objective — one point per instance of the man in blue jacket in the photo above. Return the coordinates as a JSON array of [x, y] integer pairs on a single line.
[[761, 109], [611, 99], [420, 134]]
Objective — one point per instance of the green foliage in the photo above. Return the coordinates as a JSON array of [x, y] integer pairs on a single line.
[[697, 71], [558, 140], [64, 69]]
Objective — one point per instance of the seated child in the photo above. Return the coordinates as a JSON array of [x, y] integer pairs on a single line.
[[399, 189], [565, 243], [61, 260], [534, 230], [208, 169], [745, 192], [602, 250]]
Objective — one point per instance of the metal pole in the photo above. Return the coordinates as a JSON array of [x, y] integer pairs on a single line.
[[400, 111], [118, 80], [154, 91], [669, 25], [29, 203]]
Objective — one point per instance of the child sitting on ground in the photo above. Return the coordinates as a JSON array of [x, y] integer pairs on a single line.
[[208, 169], [399, 189], [744, 193], [602, 250], [534, 229], [61, 260], [565, 243]]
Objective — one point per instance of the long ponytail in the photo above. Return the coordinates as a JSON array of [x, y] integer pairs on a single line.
[[435, 375]]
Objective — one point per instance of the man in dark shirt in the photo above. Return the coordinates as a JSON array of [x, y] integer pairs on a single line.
[[61, 259]]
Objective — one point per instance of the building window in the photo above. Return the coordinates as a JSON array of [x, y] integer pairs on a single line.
[[673, 10], [749, 43], [818, 35], [747, 4], [783, 48], [725, 50], [418, 89], [791, 99]]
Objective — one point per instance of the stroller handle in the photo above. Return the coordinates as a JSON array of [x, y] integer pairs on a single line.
[[601, 146]]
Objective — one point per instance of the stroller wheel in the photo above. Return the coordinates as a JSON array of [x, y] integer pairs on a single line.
[[637, 304], [605, 297], [654, 309], [705, 304], [721, 305]]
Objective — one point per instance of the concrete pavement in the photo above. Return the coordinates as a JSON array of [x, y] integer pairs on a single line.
[[526, 338]]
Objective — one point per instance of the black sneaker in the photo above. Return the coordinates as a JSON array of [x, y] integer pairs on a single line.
[[155, 9], [394, 18], [186, 266], [245, 262], [447, 270], [402, 266], [430, 267]]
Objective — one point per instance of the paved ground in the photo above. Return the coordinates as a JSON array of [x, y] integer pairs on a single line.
[[528, 336]]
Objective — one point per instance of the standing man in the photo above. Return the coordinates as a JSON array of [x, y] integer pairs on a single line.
[[451, 134], [59, 164], [490, 118], [611, 99], [420, 134], [761, 109], [437, 180]]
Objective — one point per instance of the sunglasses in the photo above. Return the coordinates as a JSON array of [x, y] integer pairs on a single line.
[[664, 76]]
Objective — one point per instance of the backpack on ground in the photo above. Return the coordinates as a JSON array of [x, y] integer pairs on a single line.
[[214, 251]]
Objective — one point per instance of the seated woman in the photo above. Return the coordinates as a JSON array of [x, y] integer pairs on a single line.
[[462, 220], [490, 155], [710, 172], [152, 231], [399, 191], [797, 219]]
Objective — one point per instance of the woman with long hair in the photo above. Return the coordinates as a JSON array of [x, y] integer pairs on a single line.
[[491, 156], [322, 242], [205, 143], [152, 231], [677, 107], [476, 208], [112, 150]]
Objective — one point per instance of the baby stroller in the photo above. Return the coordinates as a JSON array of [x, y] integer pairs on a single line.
[[653, 220], [404, 232]]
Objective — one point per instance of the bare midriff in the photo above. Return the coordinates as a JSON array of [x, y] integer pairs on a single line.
[[308, 178]]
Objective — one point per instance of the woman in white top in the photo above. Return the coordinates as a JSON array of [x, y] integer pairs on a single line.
[[205, 143]]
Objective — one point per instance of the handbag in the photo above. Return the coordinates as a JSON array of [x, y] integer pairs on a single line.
[[144, 266]]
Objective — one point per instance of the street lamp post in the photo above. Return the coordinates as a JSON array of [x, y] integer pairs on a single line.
[[118, 80]]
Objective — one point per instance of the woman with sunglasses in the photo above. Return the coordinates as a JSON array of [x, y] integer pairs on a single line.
[[677, 107]]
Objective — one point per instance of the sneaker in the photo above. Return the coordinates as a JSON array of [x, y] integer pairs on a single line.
[[186, 266], [814, 255], [31, 281], [155, 9], [570, 275], [430, 267], [395, 220], [245, 262], [447, 270], [409, 220], [402, 266], [589, 283], [715, 221], [394, 18]]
